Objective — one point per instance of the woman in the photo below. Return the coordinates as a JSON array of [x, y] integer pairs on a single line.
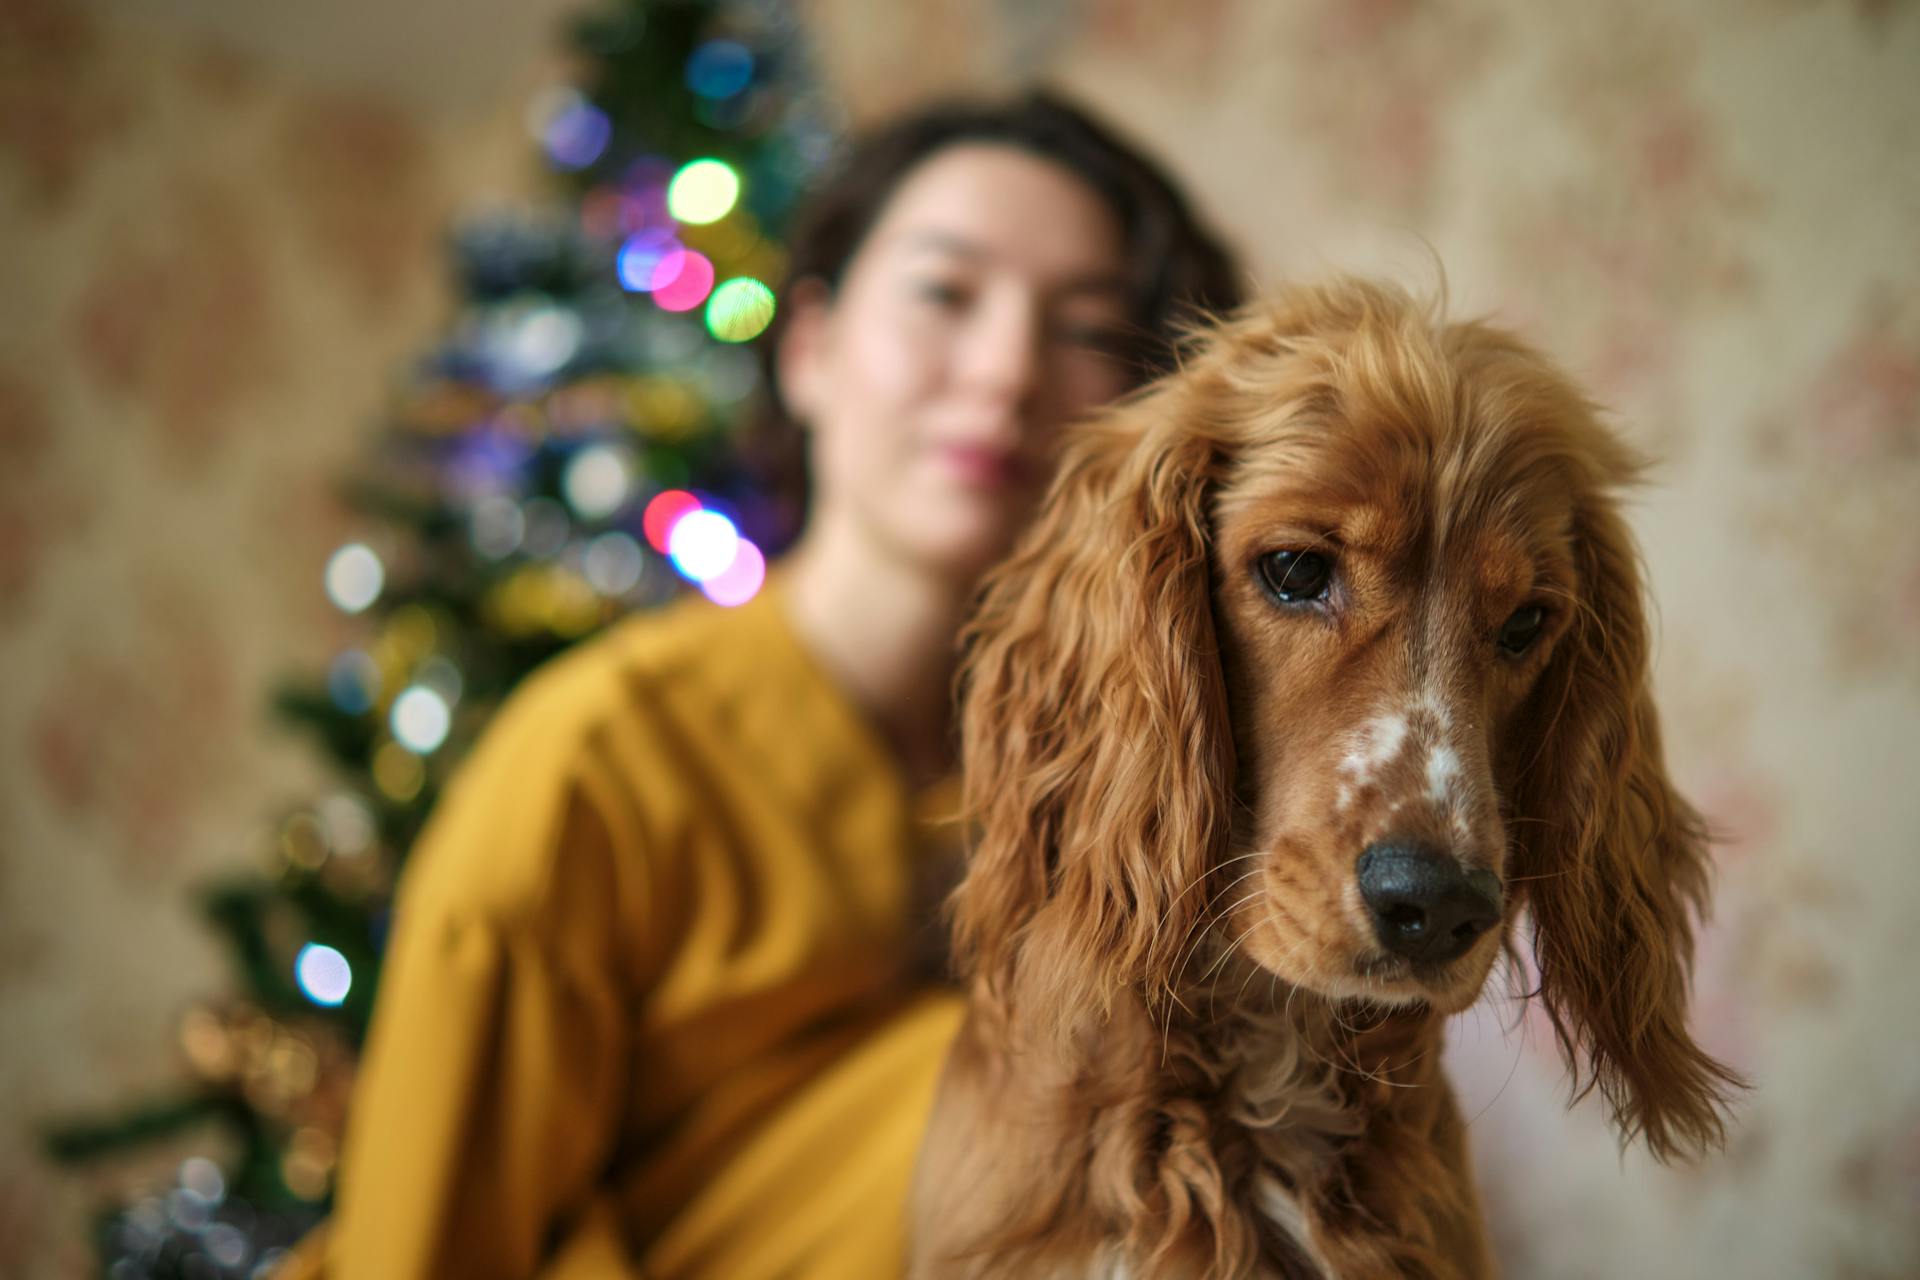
[[662, 998]]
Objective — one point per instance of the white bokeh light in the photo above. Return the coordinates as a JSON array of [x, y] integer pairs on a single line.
[[597, 481], [547, 527], [348, 823], [323, 974], [355, 577], [439, 674], [543, 340], [703, 544], [496, 526], [203, 1177], [613, 563], [420, 720]]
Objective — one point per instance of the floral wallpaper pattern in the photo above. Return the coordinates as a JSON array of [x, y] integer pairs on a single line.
[[1708, 209]]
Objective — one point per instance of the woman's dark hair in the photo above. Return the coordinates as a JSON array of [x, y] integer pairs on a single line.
[[1177, 269]]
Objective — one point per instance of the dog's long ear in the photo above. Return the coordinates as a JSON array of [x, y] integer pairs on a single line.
[[1098, 759], [1614, 861]]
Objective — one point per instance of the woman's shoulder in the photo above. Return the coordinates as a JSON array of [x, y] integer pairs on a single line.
[[550, 796], [693, 648]]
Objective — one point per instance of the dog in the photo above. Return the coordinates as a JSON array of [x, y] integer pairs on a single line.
[[1325, 656]]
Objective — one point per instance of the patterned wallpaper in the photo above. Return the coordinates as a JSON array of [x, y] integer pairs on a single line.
[[1710, 210]]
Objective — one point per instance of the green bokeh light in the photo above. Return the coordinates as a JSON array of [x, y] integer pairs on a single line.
[[739, 310]]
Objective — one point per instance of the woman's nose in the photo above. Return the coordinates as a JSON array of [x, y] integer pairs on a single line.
[[1001, 358]]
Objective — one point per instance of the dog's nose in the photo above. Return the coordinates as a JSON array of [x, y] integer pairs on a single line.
[[1425, 906]]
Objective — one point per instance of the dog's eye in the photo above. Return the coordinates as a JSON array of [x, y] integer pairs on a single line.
[[1519, 632], [1295, 577]]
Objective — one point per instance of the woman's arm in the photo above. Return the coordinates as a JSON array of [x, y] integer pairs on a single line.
[[492, 1090]]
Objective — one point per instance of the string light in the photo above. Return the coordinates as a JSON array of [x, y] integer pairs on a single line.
[[308, 1163], [640, 257], [683, 280], [702, 544], [539, 341], [703, 191], [323, 974], [353, 682], [225, 1243], [597, 481], [348, 824], [546, 527], [355, 577], [420, 720], [719, 69], [203, 1178], [303, 841], [739, 310], [613, 563], [495, 527], [663, 513], [398, 772], [740, 581], [573, 131], [440, 675]]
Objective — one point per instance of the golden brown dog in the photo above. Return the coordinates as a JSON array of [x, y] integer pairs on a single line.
[[1325, 657]]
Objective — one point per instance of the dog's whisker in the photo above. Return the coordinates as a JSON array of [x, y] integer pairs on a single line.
[[1202, 926], [1198, 933]]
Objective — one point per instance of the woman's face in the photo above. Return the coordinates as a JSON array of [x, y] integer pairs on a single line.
[[982, 312]]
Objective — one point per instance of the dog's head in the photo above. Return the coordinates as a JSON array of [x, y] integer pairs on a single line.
[[1333, 642]]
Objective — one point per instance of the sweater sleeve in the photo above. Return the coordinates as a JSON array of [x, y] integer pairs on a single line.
[[491, 1091]]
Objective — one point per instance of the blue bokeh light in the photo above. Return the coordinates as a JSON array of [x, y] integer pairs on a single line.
[[720, 69], [577, 135]]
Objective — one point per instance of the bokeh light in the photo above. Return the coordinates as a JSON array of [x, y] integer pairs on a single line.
[[348, 823], [203, 1178], [572, 130], [682, 280], [597, 481], [547, 527], [496, 526], [702, 544], [613, 563], [439, 674], [640, 257], [355, 577], [324, 975], [539, 342], [188, 1211], [353, 682], [703, 191], [719, 69], [398, 772], [303, 841], [420, 720], [663, 513], [740, 581], [739, 310], [307, 1166], [226, 1244]]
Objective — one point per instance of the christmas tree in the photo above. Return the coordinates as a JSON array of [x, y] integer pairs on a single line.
[[563, 456]]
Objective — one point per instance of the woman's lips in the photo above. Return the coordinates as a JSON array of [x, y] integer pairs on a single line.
[[981, 465]]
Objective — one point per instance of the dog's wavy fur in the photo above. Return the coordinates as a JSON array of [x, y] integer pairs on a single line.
[[1185, 1055]]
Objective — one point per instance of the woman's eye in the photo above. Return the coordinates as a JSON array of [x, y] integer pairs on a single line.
[[1296, 577], [940, 293], [1105, 339], [1518, 633]]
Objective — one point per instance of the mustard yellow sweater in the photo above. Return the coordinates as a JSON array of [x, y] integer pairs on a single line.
[[650, 1007]]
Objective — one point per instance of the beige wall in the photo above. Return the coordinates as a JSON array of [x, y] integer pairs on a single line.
[[216, 255]]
